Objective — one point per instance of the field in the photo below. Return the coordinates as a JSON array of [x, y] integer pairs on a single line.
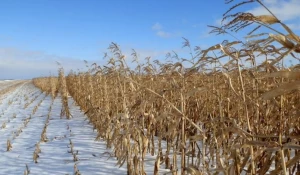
[[233, 108], [40, 135], [235, 122]]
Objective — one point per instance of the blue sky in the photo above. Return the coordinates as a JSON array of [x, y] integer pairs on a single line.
[[34, 34]]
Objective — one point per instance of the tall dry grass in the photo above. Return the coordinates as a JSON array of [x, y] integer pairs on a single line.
[[237, 117]]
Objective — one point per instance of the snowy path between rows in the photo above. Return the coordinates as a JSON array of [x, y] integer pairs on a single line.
[[23, 115]]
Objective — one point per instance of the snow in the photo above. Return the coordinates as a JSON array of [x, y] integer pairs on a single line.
[[55, 156]]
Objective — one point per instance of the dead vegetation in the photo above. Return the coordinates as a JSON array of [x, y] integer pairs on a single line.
[[239, 116]]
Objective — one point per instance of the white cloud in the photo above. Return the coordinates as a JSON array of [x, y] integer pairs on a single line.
[[155, 54], [270, 2], [163, 34], [142, 53], [23, 64], [294, 26], [220, 22], [283, 9], [18, 63], [156, 26]]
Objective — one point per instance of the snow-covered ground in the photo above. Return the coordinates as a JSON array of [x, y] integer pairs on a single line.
[[25, 113]]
